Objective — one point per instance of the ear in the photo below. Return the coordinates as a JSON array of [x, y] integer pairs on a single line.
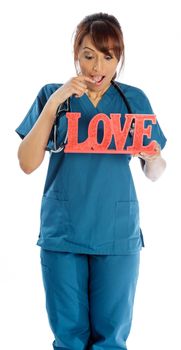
[[77, 67]]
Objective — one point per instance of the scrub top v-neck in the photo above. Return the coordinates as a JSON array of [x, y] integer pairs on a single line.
[[89, 202]]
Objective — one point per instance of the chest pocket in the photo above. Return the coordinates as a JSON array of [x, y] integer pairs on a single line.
[[126, 225]]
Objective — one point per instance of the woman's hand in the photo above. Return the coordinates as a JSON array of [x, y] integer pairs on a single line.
[[75, 86], [150, 157], [153, 165]]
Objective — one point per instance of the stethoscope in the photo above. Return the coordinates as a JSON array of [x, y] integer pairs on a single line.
[[65, 107]]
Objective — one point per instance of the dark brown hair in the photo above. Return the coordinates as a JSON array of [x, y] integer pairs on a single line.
[[105, 32]]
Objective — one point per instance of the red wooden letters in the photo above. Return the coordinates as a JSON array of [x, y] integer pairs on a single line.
[[112, 127]]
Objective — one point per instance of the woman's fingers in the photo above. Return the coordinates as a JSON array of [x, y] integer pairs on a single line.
[[149, 157], [76, 86], [79, 85], [84, 78]]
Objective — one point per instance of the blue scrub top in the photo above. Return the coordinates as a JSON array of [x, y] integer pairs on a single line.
[[89, 202]]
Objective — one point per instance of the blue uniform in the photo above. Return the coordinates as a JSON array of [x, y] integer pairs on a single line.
[[89, 203], [90, 207]]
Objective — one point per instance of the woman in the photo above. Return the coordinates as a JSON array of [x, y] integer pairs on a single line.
[[90, 235]]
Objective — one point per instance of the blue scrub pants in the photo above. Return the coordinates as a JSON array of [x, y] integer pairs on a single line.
[[89, 298]]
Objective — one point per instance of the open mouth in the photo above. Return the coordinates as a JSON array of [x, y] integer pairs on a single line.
[[98, 79]]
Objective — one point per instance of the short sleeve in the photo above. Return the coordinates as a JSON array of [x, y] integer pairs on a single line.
[[35, 110], [157, 133]]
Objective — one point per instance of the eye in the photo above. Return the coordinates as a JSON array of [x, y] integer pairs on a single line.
[[108, 57], [88, 57]]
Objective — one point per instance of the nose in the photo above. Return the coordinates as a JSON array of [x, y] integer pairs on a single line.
[[97, 65]]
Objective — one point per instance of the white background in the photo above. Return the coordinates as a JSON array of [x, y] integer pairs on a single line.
[[36, 48]]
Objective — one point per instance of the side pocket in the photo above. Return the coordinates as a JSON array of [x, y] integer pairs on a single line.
[[142, 238], [54, 217], [127, 220]]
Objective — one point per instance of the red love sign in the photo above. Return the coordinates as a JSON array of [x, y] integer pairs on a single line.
[[112, 127]]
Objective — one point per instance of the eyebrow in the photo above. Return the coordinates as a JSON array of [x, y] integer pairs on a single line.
[[86, 47], [89, 48]]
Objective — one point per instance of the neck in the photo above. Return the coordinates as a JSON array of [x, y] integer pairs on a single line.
[[96, 95]]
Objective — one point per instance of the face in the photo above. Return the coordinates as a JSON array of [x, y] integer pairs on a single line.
[[97, 65]]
